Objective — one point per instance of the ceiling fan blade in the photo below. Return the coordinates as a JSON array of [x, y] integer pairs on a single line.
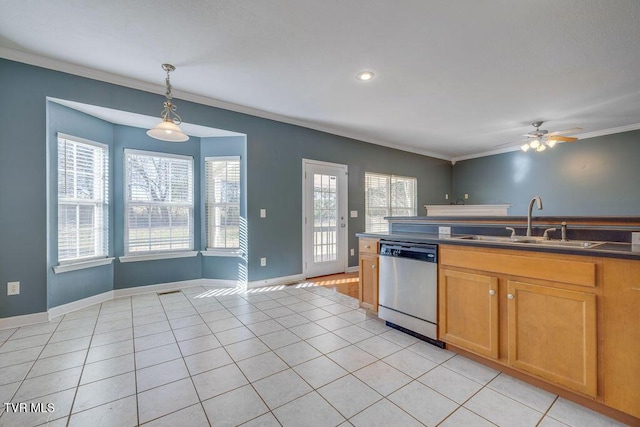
[[564, 132], [563, 138]]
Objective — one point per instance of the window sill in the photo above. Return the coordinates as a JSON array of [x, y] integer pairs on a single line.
[[63, 268], [223, 252], [156, 256]]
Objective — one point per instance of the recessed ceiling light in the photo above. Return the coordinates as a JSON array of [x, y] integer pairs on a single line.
[[365, 76]]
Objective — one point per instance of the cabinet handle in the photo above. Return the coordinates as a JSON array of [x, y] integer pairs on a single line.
[[367, 247], [373, 266], [492, 292], [510, 296]]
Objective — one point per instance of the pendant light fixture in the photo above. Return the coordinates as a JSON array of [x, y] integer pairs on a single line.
[[169, 128]]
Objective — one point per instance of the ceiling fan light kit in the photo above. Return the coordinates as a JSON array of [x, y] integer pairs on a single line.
[[169, 128], [542, 139]]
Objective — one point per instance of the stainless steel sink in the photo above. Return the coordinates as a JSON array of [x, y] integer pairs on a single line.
[[568, 243], [538, 241], [487, 238]]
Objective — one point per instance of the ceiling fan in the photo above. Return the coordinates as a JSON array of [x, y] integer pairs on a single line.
[[540, 139]]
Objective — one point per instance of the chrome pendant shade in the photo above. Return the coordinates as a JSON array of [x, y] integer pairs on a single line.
[[169, 128]]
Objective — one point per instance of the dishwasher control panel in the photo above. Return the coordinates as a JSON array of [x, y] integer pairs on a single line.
[[428, 253]]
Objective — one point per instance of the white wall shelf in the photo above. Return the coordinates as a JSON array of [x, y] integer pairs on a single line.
[[467, 210]]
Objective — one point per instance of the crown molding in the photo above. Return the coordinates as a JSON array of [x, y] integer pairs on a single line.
[[91, 73], [103, 76]]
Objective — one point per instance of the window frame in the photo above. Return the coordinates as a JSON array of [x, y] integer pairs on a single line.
[[101, 234], [130, 256], [390, 208], [227, 250]]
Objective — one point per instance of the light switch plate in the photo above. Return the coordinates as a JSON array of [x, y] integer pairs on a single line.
[[263, 262], [354, 214], [263, 213], [13, 288], [444, 231], [635, 238]]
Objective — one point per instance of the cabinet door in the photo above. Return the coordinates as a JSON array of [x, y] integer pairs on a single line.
[[621, 332], [552, 334], [468, 311], [369, 281]]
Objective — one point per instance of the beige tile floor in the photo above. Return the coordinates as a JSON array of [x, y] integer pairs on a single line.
[[299, 355]]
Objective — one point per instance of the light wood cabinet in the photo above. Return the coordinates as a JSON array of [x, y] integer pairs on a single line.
[[475, 295], [533, 312], [368, 265], [552, 334], [621, 332]]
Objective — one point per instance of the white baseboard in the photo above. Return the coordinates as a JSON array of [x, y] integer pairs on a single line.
[[79, 305], [161, 287], [353, 269], [31, 319], [220, 283], [285, 280], [24, 320]]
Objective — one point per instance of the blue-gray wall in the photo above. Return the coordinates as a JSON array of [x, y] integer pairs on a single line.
[[594, 176], [275, 184], [74, 285], [274, 153]]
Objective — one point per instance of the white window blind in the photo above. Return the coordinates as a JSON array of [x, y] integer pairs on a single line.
[[223, 202], [83, 182], [158, 202], [388, 195]]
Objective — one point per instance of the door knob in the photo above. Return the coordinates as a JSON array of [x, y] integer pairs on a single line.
[[342, 225], [510, 296], [492, 292], [373, 266]]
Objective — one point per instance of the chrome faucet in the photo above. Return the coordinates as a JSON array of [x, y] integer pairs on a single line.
[[564, 231], [535, 199]]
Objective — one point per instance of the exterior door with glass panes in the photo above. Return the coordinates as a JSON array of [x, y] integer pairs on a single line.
[[324, 218]]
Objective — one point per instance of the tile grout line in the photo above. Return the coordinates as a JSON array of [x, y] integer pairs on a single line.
[[229, 307], [82, 372], [32, 365], [75, 394]]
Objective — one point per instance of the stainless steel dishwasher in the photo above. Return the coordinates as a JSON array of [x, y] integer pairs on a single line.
[[408, 288]]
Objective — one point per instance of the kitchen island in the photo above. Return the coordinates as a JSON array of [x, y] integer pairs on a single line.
[[560, 317]]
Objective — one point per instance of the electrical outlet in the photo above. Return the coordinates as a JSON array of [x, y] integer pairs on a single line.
[[446, 196], [263, 213], [13, 288], [635, 238], [444, 231], [352, 251], [263, 262], [466, 195], [354, 214]]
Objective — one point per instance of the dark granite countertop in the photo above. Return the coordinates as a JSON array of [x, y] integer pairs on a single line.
[[608, 249]]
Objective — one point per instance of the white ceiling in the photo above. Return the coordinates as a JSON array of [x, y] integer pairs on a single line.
[[453, 78]]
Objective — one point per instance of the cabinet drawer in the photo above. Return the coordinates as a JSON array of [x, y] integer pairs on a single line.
[[368, 246], [556, 267]]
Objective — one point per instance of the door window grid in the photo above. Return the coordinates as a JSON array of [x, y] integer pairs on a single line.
[[158, 202], [82, 199], [325, 213], [388, 195]]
